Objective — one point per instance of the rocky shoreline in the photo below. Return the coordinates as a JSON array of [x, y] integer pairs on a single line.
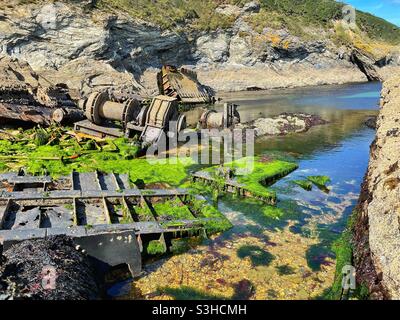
[[283, 124], [376, 232]]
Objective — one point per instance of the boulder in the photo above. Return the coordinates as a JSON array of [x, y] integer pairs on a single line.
[[284, 124]]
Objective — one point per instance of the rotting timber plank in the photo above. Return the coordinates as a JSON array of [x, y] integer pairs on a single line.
[[126, 211], [3, 212], [106, 211], [36, 114]]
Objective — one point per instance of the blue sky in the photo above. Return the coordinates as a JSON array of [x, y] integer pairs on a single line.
[[387, 9]]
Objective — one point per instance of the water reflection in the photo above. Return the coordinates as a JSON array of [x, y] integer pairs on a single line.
[[287, 256]]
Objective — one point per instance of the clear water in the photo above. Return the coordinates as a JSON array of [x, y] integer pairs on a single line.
[[286, 257], [339, 150]]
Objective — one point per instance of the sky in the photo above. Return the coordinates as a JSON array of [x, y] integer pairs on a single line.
[[387, 9]]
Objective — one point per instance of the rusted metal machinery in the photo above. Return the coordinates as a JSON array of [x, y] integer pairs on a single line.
[[135, 117], [99, 108], [183, 84], [162, 116], [212, 119]]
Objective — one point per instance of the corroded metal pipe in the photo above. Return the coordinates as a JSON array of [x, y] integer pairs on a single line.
[[220, 120], [98, 107]]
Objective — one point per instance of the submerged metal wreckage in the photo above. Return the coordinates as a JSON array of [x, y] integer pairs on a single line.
[[107, 218]]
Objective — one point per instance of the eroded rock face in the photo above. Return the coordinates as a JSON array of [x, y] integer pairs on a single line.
[[91, 50], [19, 84], [377, 231]]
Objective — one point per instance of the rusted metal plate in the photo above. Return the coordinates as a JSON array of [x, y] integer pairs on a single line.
[[182, 84], [88, 128]]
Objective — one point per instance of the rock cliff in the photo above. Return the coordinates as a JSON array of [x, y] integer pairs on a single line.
[[90, 48], [377, 228]]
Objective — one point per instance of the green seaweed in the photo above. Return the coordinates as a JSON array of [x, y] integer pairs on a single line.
[[285, 270], [320, 182], [256, 175], [156, 247], [118, 155], [41, 137], [305, 184], [272, 212], [144, 213], [173, 208], [257, 255], [215, 221], [343, 250], [69, 206]]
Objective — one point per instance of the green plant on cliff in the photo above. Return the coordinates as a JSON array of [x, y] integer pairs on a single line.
[[201, 15], [378, 28], [319, 12], [343, 250], [323, 12], [295, 16]]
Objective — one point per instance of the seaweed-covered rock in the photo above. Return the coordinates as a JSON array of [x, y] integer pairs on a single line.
[[47, 269], [370, 122], [284, 124]]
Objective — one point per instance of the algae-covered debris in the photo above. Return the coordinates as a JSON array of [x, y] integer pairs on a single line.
[[215, 221], [264, 174], [144, 213], [320, 181], [172, 209], [254, 176], [305, 184]]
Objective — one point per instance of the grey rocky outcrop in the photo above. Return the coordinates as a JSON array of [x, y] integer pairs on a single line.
[[284, 124], [370, 122], [377, 228]]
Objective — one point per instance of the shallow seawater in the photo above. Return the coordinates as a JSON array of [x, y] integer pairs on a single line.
[[287, 254]]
